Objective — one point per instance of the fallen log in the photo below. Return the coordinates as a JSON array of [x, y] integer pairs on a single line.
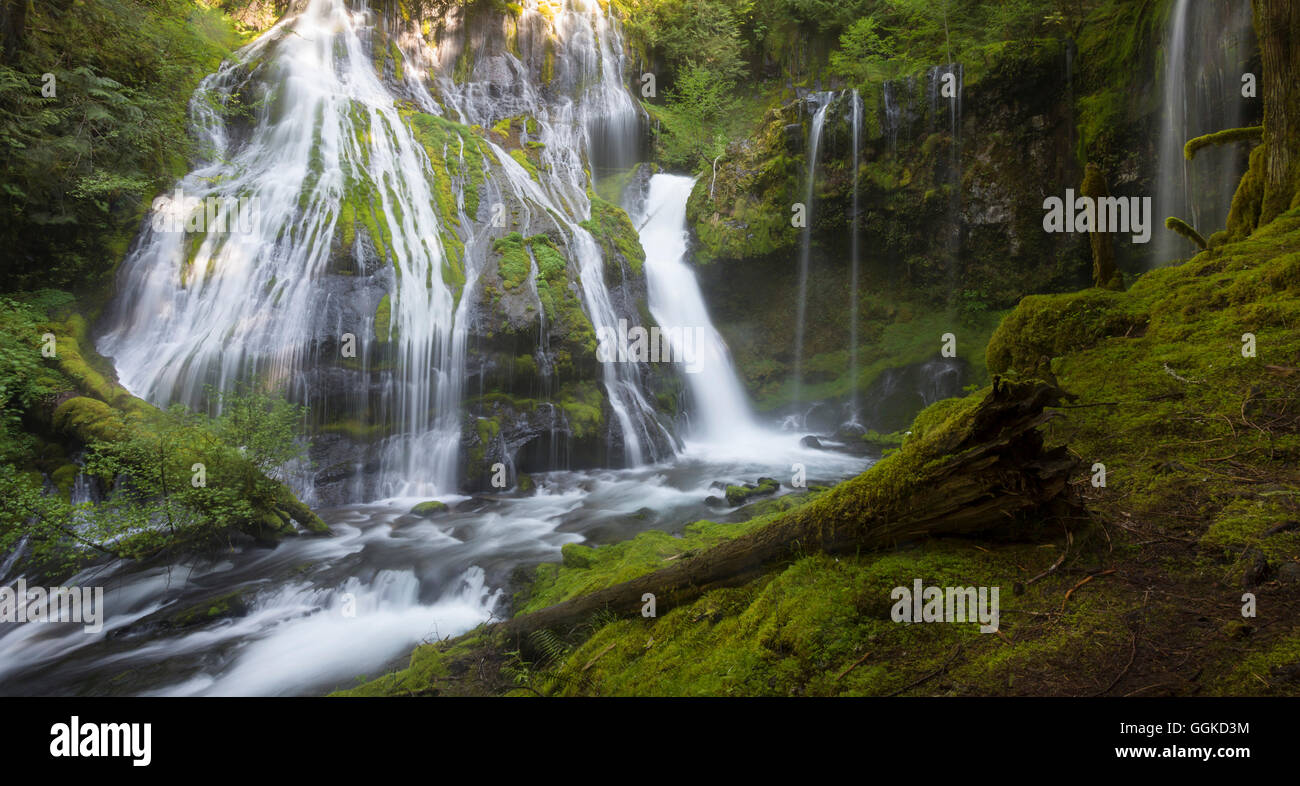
[[982, 469]]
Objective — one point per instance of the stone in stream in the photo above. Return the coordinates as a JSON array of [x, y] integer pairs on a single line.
[[739, 495], [427, 509]]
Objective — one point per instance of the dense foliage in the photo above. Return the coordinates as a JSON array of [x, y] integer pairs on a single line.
[[93, 99], [718, 54]]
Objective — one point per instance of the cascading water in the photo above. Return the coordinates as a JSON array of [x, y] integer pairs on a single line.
[[823, 103], [244, 304], [585, 109], [719, 408], [311, 614], [854, 233], [234, 305], [1207, 49]]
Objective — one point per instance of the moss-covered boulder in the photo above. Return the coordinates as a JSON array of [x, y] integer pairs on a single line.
[[429, 508]]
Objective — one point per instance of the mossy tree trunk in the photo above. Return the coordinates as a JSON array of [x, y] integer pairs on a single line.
[[1104, 272], [986, 472], [1277, 23]]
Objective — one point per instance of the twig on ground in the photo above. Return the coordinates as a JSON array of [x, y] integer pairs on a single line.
[[1085, 580]]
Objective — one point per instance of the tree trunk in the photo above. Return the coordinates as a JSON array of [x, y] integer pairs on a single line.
[[13, 27], [1277, 23], [992, 473]]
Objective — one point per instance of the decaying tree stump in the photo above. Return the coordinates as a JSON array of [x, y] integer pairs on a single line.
[[984, 470]]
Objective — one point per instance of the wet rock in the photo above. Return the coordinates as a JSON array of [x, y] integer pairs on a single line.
[[811, 442], [849, 432], [222, 606], [739, 495], [430, 508]]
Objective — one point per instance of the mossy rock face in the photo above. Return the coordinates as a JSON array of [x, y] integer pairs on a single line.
[[430, 508], [617, 236]]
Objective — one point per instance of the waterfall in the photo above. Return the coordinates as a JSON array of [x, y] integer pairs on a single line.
[[584, 109], [251, 303], [330, 134], [823, 103], [1207, 49], [854, 233], [718, 407], [892, 113]]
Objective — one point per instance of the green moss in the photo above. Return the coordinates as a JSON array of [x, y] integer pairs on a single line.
[[616, 234], [384, 331], [64, 477], [434, 669], [1226, 137], [1185, 229], [548, 62], [89, 419], [560, 303], [1052, 325], [898, 335], [515, 261], [429, 508], [487, 430], [1254, 524], [1248, 200], [1273, 670], [347, 229], [739, 495], [227, 605], [1168, 405], [582, 404], [794, 633], [356, 430], [522, 158], [585, 569]]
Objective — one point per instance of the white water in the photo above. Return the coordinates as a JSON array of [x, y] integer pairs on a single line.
[[250, 303], [719, 408], [585, 107], [323, 612], [261, 304], [855, 231], [823, 101], [1207, 47]]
